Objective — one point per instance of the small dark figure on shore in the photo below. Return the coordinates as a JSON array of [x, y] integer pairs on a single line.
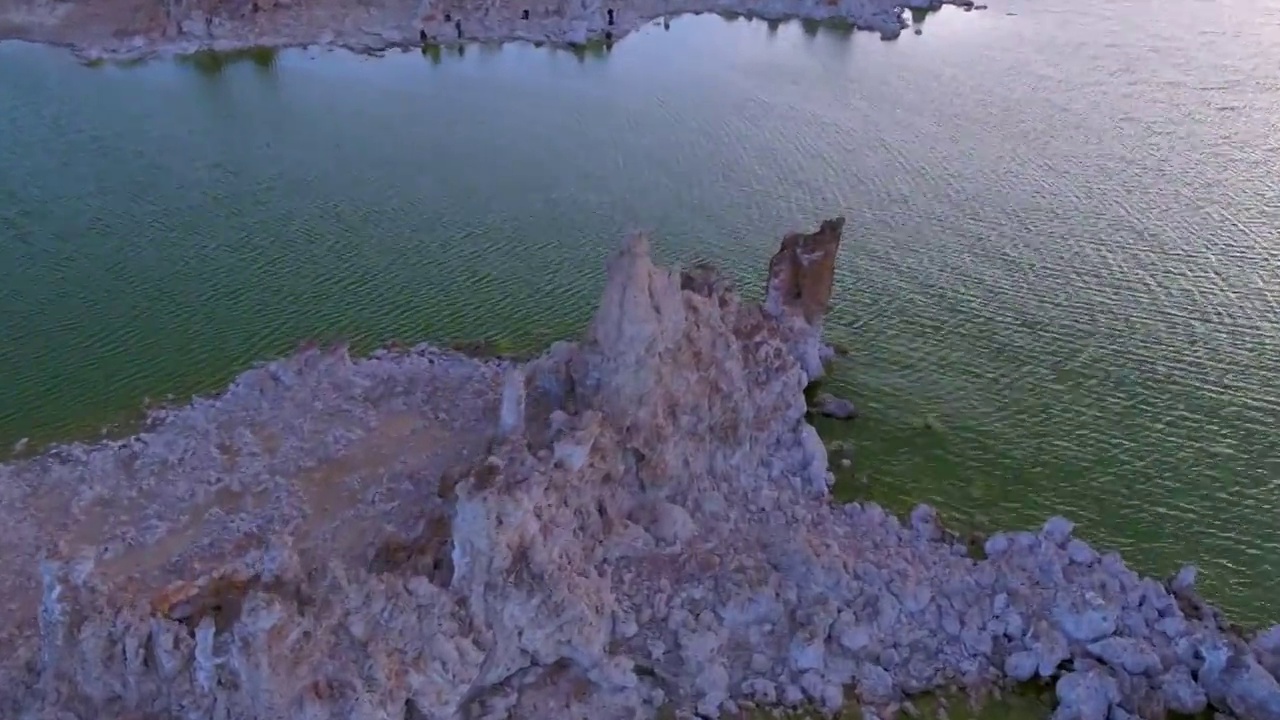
[[422, 35], [608, 36], [448, 17], [610, 16], [457, 25], [255, 7], [208, 23], [524, 15]]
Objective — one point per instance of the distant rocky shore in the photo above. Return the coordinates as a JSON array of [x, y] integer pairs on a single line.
[[130, 29], [636, 522]]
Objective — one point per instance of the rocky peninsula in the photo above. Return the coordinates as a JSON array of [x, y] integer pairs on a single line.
[[635, 523], [129, 29]]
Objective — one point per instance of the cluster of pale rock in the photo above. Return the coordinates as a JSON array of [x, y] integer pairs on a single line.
[[140, 28], [651, 527], [581, 21]]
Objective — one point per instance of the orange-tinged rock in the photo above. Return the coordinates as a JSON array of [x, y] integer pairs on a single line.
[[802, 272]]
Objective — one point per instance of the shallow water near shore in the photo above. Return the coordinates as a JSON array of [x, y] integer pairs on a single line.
[[1060, 285]]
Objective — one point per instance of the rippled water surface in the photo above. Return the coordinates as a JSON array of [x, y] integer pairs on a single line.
[[1061, 283]]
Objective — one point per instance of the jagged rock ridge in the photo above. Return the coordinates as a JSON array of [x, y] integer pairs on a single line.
[[650, 525]]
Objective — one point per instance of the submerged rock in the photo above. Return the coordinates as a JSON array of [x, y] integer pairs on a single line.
[[634, 521], [834, 407]]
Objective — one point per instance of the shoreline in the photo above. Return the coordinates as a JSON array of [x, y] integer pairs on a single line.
[[124, 424], [121, 37], [638, 520]]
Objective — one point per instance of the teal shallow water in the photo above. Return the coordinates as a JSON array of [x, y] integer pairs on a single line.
[[1063, 245]]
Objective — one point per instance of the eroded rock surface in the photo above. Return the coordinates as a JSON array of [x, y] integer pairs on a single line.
[[647, 524], [798, 292], [802, 273]]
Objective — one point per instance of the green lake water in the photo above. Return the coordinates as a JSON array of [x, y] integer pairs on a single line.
[[1060, 281]]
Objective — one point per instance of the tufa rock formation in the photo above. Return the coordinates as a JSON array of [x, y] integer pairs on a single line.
[[120, 29], [798, 292], [802, 273], [648, 526]]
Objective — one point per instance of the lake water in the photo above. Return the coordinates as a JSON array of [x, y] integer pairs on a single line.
[[1060, 283]]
